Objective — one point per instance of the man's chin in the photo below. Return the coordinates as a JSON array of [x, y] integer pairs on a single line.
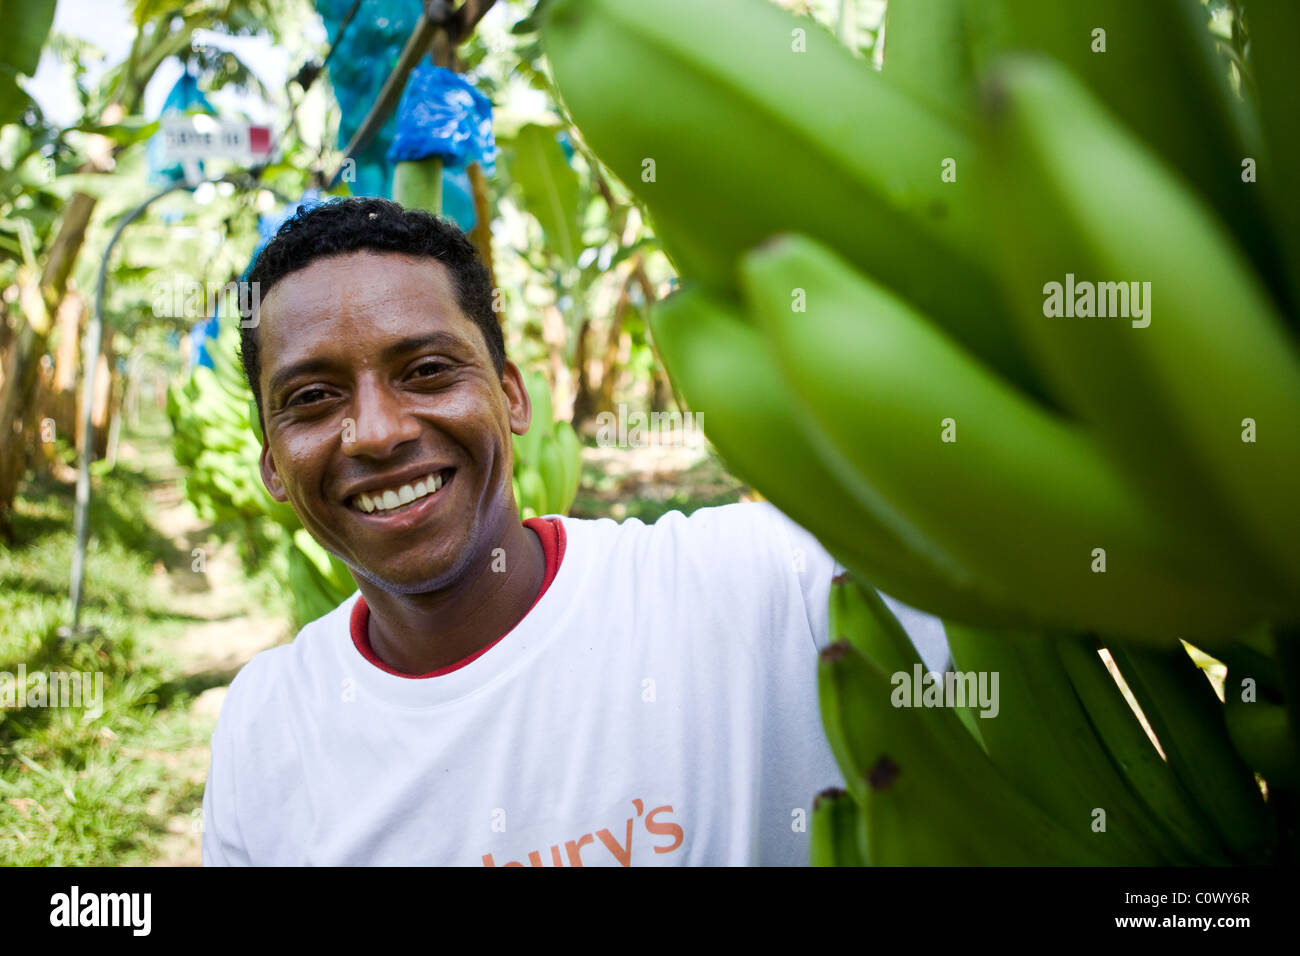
[[426, 581]]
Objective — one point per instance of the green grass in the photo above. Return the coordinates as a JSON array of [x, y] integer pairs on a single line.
[[78, 789]]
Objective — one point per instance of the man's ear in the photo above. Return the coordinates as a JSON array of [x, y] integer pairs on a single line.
[[518, 403], [271, 475]]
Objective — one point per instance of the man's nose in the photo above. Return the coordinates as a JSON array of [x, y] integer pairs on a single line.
[[380, 422]]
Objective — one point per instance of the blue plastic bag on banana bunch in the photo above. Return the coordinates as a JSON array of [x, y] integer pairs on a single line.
[[443, 116], [365, 50]]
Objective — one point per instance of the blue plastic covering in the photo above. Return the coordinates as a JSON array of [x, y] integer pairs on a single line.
[[363, 57], [199, 335], [442, 115], [458, 198], [566, 144], [184, 97]]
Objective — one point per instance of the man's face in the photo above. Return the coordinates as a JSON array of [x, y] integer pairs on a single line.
[[375, 382]]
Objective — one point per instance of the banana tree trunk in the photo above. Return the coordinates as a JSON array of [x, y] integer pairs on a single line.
[[609, 360], [20, 375], [585, 399], [481, 234], [71, 319], [18, 390]]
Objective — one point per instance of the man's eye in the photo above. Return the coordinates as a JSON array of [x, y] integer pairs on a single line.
[[307, 396], [430, 368]]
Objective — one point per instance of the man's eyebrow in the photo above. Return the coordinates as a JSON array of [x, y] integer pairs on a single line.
[[445, 340], [412, 343], [305, 367]]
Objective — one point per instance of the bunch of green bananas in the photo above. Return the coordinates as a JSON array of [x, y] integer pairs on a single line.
[[318, 581], [868, 342], [548, 457], [1051, 767], [880, 322], [216, 438]]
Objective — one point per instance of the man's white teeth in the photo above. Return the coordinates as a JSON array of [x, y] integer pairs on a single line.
[[391, 498]]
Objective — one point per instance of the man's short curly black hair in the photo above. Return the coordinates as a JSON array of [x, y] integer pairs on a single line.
[[344, 225]]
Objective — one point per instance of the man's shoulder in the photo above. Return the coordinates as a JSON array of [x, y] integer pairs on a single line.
[[748, 516], [735, 535], [757, 525]]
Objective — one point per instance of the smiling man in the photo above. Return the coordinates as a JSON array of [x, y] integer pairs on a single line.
[[555, 692]]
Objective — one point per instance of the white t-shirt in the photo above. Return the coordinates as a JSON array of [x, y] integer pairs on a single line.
[[657, 706]]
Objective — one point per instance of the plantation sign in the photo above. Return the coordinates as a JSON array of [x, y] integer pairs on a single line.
[[194, 137]]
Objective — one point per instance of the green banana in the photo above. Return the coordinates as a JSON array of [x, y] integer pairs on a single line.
[[571, 455], [528, 445], [1188, 720], [856, 613], [533, 501], [862, 164], [1132, 751], [551, 467], [1042, 740], [728, 374], [331, 570], [216, 404], [525, 448], [216, 438], [417, 184], [1162, 78], [313, 590], [927, 794], [1020, 495], [970, 720], [901, 823], [927, 55], [1081, 197], [543, 467], [1258, 729], [987, 33], [833, 830], [539, 390]]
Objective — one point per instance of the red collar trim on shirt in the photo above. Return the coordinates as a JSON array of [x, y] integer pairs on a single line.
[[550, 530]]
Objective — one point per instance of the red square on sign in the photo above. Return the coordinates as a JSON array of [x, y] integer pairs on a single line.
[[259, 139]]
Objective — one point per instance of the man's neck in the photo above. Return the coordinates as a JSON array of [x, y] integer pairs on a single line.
[[419, 633]]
